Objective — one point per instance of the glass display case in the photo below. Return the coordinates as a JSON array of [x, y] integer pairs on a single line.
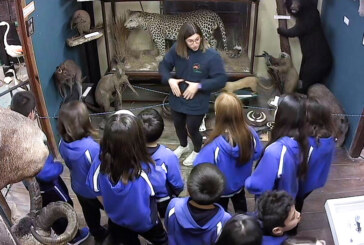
[[239, 30]]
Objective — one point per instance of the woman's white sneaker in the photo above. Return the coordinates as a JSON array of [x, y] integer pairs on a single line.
[[181, 150], [190, 159]]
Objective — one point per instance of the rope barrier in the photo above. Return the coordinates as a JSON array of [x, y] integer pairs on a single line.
[[164, 93]]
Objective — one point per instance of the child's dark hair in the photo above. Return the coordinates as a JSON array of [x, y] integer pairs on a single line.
[[273, 209], [74, 122], [123, 148], [318, 119], [290, 121], [153, 124], [23, 102], [241, 230], [205, 183]]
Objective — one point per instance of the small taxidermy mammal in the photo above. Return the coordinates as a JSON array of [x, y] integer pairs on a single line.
[[81, 21], [325, 97], [66, 75], [286, 72]]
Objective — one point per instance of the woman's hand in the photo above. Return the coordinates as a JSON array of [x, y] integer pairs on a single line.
[[173, 83], [191, 90]]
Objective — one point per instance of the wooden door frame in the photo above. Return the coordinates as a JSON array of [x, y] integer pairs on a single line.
[[34, 80], [358, 142]]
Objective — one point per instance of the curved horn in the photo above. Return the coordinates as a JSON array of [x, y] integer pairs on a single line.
[[48, 215]]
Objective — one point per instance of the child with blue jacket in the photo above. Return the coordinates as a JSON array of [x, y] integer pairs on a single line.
[[51, 185], [284, 160], [198, 219], [126, 178], [163, 157], [78, 149], [277, 213], [232, 146], [322, 149]]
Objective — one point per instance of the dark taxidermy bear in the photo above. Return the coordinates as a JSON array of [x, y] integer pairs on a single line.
[[66, 75], [340, 121], [110, 87], [81, 21], [316, 55]]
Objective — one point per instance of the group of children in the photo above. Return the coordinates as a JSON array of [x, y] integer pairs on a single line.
[[137, 181]]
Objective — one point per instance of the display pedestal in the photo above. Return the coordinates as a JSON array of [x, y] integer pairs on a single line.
[[346, 218]]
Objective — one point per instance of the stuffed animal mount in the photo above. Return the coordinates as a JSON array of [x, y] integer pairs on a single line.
[[162, 27], [327, 98], [282, 72], [81, 21], [110, 88], [66, 75]]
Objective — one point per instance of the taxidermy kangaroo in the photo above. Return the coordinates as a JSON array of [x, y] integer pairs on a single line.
[[67, 74], [110, 88]]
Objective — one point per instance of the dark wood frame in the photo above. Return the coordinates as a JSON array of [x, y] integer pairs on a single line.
[[358, 142], [154, 74], [33, 75]]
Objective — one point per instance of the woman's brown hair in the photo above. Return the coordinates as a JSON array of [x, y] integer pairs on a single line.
[[74, 122], [230, 120], [188, 29]]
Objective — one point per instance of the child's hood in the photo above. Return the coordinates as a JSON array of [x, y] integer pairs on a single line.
[[74, 150], [292, 145], [227, 148], [326, 144], [185, 219]]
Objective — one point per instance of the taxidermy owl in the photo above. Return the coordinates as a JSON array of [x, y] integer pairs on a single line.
[[81, 21]]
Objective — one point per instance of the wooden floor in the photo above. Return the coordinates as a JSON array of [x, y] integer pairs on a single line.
[[346, 179]]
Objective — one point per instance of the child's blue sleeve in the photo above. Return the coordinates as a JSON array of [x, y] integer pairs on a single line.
[[206, 155], [258, 147], [264, 176], [174, 175], [51, 170], [92, 180]]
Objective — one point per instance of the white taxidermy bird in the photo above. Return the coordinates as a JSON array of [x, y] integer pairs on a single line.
[[14, 51]]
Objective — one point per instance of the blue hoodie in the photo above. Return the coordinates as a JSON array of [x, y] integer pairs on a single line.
[[274, 240], [320, 159], [78, 156], [133, 205], [206, 68], [226, 157], [169, 162], [182, 228], [49, 179], [268, 175]]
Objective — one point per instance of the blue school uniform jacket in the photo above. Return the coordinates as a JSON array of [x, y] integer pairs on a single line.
[[182, 228], [226, 157], [320, 158], [49, 179], [277, 169], [78, 156], [274, 240], [133, 205], [206, 68], [169, 162]]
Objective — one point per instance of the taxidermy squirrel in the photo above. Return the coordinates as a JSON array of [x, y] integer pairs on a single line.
[[81, 21], [110, 87], [66, 75]]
